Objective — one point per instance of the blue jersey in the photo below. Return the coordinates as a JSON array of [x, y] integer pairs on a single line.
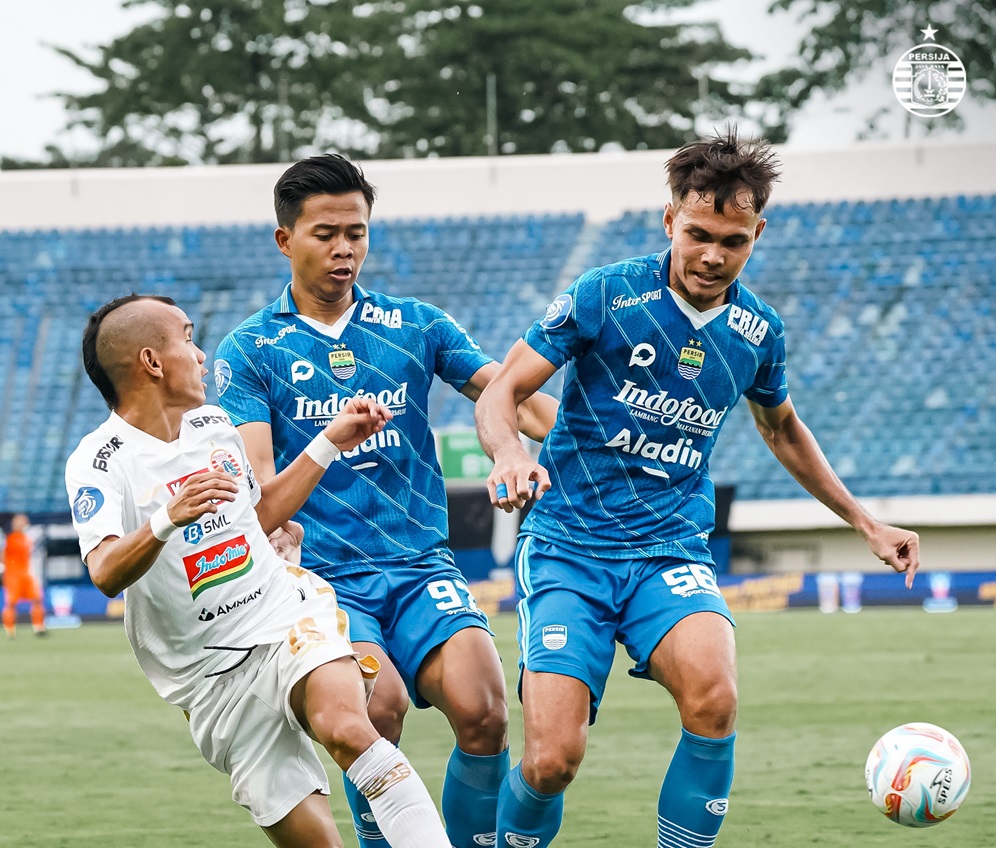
[[646, 392], [383, 502]]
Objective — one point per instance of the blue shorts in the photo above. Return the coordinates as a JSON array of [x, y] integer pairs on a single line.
[[573, 607], [409, 610]]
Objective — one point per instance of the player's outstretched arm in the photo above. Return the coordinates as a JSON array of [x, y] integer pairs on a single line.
[[119, 561], [795, 447], [283, 494], [535, 415], [516, 477]]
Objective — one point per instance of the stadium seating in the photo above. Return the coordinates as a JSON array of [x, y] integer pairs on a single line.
[[888, 305]]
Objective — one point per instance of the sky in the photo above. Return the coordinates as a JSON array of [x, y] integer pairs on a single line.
[[29, 70]]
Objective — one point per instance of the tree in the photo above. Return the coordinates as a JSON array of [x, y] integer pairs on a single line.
[[565, 75], [221, 81], [227, 80], [848, 37]]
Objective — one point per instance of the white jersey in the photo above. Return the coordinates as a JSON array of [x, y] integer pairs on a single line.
[[217, 589]]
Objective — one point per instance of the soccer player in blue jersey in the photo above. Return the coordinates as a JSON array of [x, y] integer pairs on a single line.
[[658, 350], [376, 525]]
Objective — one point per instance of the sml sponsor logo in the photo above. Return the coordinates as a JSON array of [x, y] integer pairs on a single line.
[[193, 533], [685, 414], [101, 457], [752, 327], [323, 411], [377, 315], [620, 301], [262, 341]]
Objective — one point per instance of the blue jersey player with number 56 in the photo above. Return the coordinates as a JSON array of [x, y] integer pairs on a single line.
[[376, 524], [658, 350]]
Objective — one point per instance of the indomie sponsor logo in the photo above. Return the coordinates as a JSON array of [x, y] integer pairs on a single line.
[[376, 315], [324, 411], [685, 414], [218, 564], [283, 332], [101, 457], [750, 326]]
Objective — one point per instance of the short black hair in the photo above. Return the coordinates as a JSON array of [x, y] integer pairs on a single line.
[[722, 166], [330, 173], [91, 362]]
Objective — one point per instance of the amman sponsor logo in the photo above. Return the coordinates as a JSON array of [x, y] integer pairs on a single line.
[[225, 609], [685, 414], [750, 326], [680, 451], [323, 411], [620, 301]]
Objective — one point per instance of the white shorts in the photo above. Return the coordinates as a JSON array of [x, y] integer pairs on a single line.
[[245, 727]]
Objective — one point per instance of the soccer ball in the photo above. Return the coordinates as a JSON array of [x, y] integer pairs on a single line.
[[917, 774]]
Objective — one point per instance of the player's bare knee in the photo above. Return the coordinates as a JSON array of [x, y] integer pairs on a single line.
[[551, 770], [712, 710], [387, 710], [344, 733], [481, 728]]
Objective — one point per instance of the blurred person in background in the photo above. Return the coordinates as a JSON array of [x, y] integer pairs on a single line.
[[19, 584]]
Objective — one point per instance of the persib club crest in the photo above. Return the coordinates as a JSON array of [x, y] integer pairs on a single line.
[[691, 359], [342, 362], [929, 79]]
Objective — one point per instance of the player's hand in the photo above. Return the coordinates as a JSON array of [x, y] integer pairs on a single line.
[[286, 541], [200, 494], [356, 422], [897, 548], [515, 479]]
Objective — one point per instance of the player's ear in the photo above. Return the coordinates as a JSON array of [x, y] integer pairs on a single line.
[[150, 362], [668, 220], [281, 235], [759, 228]]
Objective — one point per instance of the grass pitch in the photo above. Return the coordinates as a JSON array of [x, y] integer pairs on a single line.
[[89, 756]]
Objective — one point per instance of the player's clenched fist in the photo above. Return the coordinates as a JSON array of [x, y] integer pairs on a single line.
[[201, 493], [356, 422]]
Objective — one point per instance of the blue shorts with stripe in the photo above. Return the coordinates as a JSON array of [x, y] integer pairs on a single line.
[[574, 607], [409, 610]]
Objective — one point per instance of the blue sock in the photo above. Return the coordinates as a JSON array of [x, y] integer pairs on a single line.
[[470, 797], [367, 830], [525, 814], [696, 790]]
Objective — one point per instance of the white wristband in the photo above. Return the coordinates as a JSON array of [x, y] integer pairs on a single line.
[[162, 527], [322, 451]]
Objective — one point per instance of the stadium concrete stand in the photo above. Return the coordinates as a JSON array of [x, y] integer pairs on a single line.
[[882, 262]]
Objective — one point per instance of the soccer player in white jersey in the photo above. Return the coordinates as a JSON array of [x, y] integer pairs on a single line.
[[658, 349], [376, 524], [255, 653]]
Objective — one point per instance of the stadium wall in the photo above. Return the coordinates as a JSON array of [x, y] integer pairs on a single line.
[[601, 185]]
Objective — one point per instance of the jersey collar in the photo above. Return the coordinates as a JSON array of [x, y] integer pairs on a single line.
[[285, 304]]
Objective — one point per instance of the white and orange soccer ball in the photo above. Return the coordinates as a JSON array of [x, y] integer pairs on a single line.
[[917, 774]]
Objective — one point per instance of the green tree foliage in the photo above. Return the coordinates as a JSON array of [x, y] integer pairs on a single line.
[[566, 75], [848, 37], [220, 81]]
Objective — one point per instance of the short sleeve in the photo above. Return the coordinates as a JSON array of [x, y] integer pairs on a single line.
[[770, 386], [456, 354], [572, 322], [242, 391], [96, 503]]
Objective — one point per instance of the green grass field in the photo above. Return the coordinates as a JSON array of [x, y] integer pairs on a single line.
[[91, 758]]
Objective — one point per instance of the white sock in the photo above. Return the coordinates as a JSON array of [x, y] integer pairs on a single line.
[[398, 798]]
